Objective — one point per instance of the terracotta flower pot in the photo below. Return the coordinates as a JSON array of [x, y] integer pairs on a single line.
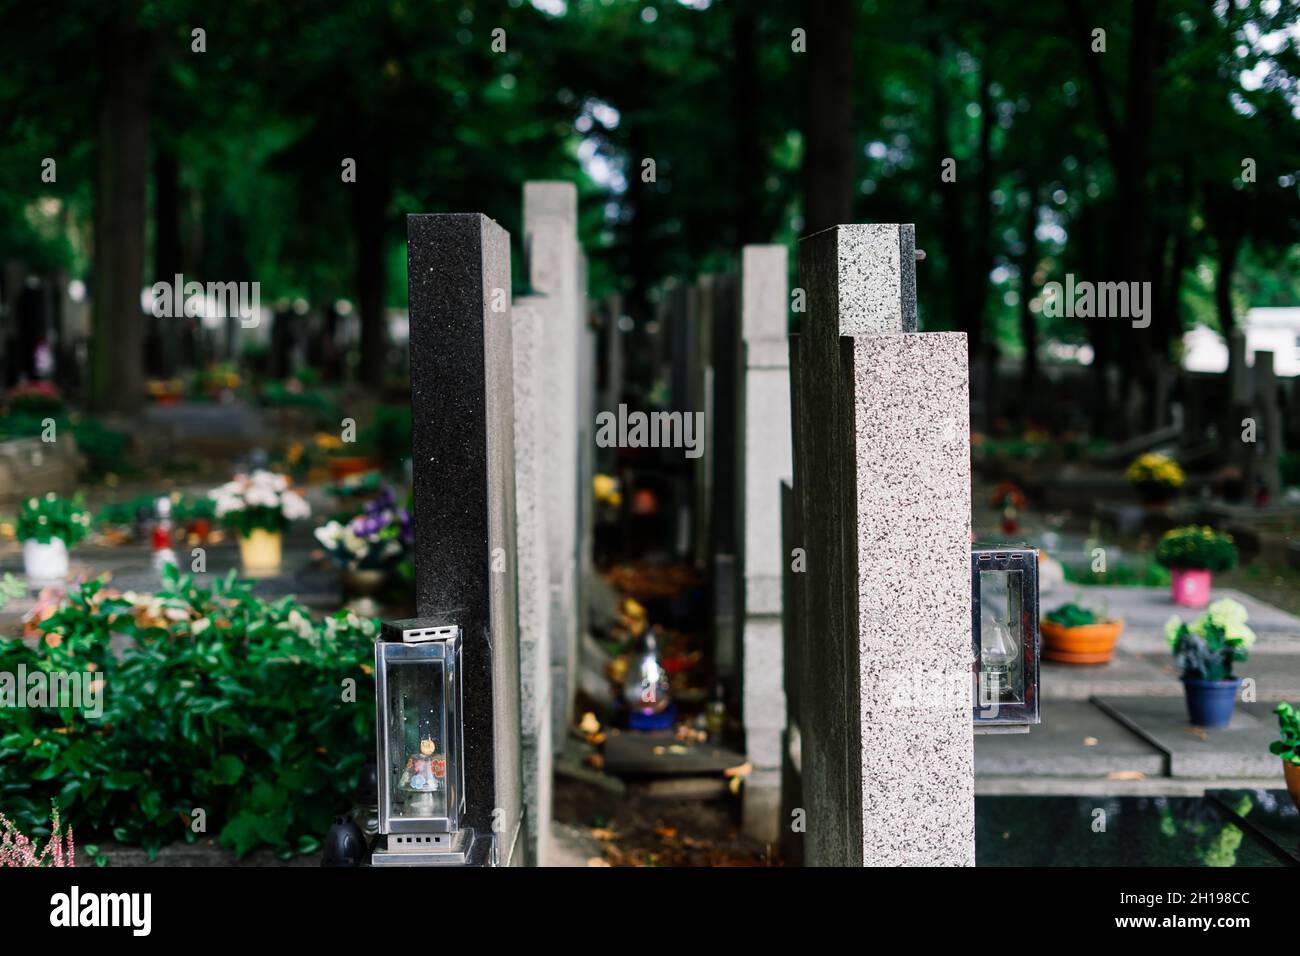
[[342, 467], [260, 551], [1190, 587], [1088, 644], [1292, 772]]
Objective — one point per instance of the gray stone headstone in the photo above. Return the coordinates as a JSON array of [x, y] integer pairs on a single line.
[[534, 580], [554, 271], [882, 488], [462, 450], [764, 420]]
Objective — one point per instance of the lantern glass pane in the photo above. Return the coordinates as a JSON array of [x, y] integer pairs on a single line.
[[1002, 636], [417, 758]]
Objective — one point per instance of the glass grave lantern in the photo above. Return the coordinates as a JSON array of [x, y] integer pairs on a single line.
[[1004, 639], [418, 700]]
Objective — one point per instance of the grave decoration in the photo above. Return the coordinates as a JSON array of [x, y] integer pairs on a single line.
[[418, 718], [1073, 634], [1004, 637], [367, 546], [48, 526], [1288, 747], [259, 507], [1156, 478], [1192, 555], [1205, 651]]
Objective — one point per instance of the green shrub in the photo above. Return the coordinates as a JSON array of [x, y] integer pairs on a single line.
[[52, 516], [1196, 548], [221, 702], [1288, 721], [1074, 615]]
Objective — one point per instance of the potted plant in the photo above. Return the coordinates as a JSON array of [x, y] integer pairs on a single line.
[[258, 508], [1192, 554], [1073, 634], [1205, 651], [48, 527], [1156, 478], [1288, 748], [368, 545]]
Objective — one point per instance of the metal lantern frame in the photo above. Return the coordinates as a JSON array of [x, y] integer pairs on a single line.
[[438, 838], [1024, 563]]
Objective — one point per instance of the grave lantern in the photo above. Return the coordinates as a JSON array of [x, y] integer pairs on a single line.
[[418, 699], [1004, 638]]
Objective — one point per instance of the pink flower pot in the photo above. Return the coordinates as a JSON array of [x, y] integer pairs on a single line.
[[1191, 587]]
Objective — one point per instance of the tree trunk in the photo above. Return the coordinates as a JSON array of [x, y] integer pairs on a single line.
[[117, 362], [370, 195], [1028, 320], [829, 142], [748, 140]]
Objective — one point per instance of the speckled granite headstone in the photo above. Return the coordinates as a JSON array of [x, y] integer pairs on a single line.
[[462, 450], [534, 582], [554, 272], [882, 491]]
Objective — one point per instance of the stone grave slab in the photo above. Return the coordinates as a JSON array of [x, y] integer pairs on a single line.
[[1145, 611], [1075, 739], [1238, 750], [1126, 675], [661, 754]]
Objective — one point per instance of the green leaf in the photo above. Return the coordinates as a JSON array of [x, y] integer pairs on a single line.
[[227, 769]]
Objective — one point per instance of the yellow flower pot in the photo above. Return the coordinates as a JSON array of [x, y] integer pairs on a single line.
[[259, 551]]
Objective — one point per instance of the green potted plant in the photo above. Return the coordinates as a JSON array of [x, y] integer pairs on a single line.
[[48, 527], [258, 508], [1288, 748], [1192, 554], [1074, 634], [1205, 651]]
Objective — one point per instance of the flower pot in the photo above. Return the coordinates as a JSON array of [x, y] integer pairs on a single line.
[[259, 551], [45, 563], [1155, 497], [1088, 644], [362, 582], [342, 467], [1292, 773], [1190, 587], [1210, 702]]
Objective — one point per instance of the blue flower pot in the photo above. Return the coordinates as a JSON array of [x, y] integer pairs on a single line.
[[1210, 702]]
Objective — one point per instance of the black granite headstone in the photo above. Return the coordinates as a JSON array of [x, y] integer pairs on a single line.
[[462, 440]]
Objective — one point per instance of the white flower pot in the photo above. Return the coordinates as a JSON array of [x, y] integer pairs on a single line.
[[45, 563]]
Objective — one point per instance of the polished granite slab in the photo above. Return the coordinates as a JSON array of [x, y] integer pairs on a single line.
[[1115, 831], [1267, 814]]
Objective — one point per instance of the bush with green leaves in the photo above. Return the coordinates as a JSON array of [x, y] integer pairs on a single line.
[[1288, 721], [1076, 615], [53, 516], [220, 702], [1197, 548], [1207, 648]]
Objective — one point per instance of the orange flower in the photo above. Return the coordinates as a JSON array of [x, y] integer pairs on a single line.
[[54, 639]]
